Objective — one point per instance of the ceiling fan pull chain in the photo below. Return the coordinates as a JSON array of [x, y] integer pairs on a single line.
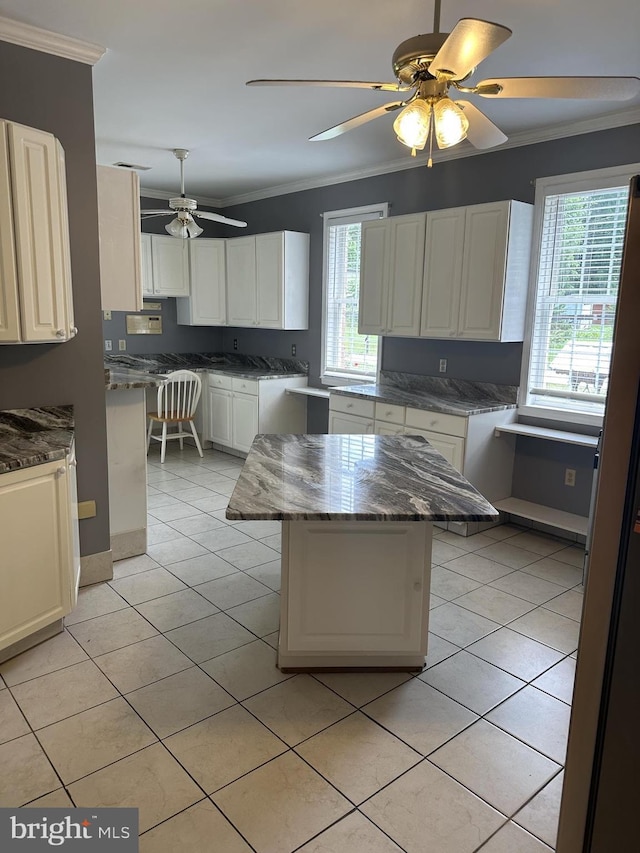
[[431, 123]]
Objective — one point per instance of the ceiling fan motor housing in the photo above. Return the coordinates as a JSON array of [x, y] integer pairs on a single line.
[[411, 59], [181, 203]]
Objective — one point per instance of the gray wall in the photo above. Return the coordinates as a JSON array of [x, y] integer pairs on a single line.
[[174, 337], [55, 95]]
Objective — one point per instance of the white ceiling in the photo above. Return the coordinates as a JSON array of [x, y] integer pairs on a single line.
[[174, 74]]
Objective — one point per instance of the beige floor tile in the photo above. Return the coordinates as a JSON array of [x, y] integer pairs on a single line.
[[274, 541], [537, 719], [503, 531], [176, 550], [527, 586], [142, 663], [426, 810], [89, 741], [357, 756], [147, 585], [161, 499], [249, 554], [512, 839], [223, 537], [450, 585], [247, 670], [353, 834], [539, 543], [55, 800], [434, 601], [260, 616], [173, 703], [442, 551], [113, 631], [259, 529], [232, 590], [176, 609], [361, 687], [515, 653], [281, 805], [558, 681], [161, 532], [150, 780], [568, 604], [224, 747], [458, 625], [95, 600], [272, 639], [573, 556], [549, 628], [187, 831], [26, 772], [199, 570], [419, 715], [209, 637], [133, 566], [298, 708], [555, 571], [12, 722], [268, 574], [465, 543], [507, 553], [57, 653], [540, 815], [173, 513], [216, 501], [60, 694], [478, 568], [495, 766], [438, 650], [473, 682], [501, 607], [198, 524]]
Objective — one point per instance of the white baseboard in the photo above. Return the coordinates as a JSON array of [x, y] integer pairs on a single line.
[[131, 543], [96, 567]]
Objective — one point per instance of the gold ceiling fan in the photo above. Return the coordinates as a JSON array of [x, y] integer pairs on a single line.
[[428, 67]]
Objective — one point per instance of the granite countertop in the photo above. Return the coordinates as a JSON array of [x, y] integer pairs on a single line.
[[31, 437], [353, 478], [122, 378]]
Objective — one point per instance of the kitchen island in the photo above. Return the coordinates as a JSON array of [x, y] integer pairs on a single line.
[[357, 513]]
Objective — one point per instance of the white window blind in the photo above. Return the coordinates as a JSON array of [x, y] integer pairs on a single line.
[[580, 254], [346, 352]]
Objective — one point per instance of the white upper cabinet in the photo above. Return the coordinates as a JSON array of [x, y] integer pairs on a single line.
[[35, 269], [268, 280], [206, 305], [170, 263], [476, 272], [120, 248], [146, 265], [391, 270]]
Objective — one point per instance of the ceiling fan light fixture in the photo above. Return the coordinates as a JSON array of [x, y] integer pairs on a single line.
[[451, 124], [412, 125], [176, 228], [183, 226]]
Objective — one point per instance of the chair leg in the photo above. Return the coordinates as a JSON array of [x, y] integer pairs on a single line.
[[149, 435], [164, 441], [195, 436], [181, 438]]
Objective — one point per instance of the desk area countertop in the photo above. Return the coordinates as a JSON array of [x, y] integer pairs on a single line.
[[34, 436], [353, 478]]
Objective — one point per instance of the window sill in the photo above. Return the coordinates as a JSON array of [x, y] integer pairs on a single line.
[[566, 417], [335, 380]]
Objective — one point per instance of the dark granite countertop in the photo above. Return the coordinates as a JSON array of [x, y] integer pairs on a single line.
[[353, 478], [31, 437]]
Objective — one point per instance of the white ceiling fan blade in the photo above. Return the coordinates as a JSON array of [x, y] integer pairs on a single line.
[[356, 121], [608, 88], [166, 212], [347, 84], [216, 217], [481, 133], [470, 41]]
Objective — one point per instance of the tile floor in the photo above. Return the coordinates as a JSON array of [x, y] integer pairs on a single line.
[[162, 693]]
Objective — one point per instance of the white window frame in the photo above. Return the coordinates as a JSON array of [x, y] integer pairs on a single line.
[[344, 217], [577, 182]]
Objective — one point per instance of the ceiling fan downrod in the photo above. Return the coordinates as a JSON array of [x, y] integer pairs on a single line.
[[182, 154]]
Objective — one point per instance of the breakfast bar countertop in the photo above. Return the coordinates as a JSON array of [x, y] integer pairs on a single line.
[[31, 437], [353, 478]]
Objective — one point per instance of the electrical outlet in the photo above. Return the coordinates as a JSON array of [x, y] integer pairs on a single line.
[[293, 349], [122, 345], [570, 476], [235, 343], [443, 365], [108, 346], [107, 315]]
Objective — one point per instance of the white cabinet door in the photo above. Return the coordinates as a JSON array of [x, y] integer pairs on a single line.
[[9, 299], [405, 274], [374, 259], [220, 414], [451, 446], [349, 424], [170, 265], [41, 235], [245, 420], [483, 271], [206, 306], [382, 428], [442, 273], [146, 265], [270, 280], [39, 582], [119, 228], [241, 281]]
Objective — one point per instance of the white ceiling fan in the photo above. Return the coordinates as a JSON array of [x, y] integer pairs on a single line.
[[428, 67], [184, 209]]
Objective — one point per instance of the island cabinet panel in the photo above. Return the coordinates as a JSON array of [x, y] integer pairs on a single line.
[[206, 304], [42, 585], [355, 588]]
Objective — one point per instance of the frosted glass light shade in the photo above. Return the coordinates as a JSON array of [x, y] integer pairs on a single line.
[[451, 123], [176, 228], [183, 226], [412, 125]]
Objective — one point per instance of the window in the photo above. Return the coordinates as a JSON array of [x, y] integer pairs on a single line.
[[345, 353], [580, 227]]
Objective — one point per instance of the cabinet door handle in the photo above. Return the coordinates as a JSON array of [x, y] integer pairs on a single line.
[[388, 412], [60, 333], [74, 331], [61, 471]]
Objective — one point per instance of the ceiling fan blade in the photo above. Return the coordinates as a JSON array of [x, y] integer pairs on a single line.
[[482, 133], [470, 41], [356, 121], [216, 217], [608, 88], [347, 84], [166, 212]]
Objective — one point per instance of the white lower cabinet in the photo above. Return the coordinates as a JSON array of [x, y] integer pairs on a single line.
[[219, 424], [245, 420], [40, 548], [451, 447], [350, 415]]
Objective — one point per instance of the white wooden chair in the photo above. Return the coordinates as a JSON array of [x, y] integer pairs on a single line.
[[178, 398]]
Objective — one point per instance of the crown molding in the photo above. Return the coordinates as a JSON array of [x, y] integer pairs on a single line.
[[46, 41], [517, 140], [165, 196]]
